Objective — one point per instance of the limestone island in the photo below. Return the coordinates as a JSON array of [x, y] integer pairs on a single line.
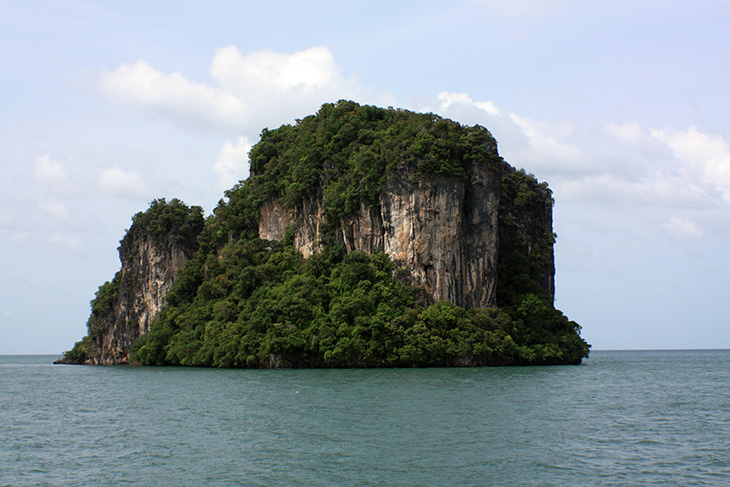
[[364, 237]]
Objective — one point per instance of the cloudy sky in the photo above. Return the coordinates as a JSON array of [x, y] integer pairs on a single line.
[[621, 106]]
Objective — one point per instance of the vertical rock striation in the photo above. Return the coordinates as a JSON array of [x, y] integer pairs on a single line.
[[447, 233], [153, 252], [436, 197], [148, 270]]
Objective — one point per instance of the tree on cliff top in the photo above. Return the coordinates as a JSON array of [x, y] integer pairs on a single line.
[[172, 220], [166, 223], [245, 302], [349, 152]]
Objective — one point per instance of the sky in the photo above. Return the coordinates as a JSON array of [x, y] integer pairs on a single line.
[[621, 106]]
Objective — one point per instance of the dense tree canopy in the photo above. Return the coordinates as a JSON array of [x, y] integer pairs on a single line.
[[348, 152], [262, 305], [246, 302], [172, 220]]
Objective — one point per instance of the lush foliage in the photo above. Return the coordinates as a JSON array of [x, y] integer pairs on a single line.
[[165, 222], [350, 149], [172, 220], [348, 152], [79, 353], [526, 239], [102, 304], [262, 305], [246, 302]]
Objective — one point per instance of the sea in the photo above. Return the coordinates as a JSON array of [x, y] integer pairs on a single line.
[[622, 418]]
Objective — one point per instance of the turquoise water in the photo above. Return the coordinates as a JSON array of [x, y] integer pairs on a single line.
[[622, 418]]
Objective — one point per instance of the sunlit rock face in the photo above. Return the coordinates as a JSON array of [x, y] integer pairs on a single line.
[[444, 232], [458, 222], [446, 235], [148, 270]]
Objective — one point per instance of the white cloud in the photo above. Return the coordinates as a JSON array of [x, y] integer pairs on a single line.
[[49, 170], [536, 145], [644, 174], [116, 182], [630, 133], [626, 163], [617, 190], [548, 145], [71, 243], [695, 165], [171, 95], [54, 176], [447, 99], [56, 209], [637, 139], [708, 154], [248, 92], [231, 165], [267, 71], [682, 228]]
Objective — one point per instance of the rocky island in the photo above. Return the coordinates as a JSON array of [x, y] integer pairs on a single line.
[[364, 237]]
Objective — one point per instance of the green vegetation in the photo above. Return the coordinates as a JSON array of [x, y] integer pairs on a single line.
[[526, 239], [172, 223], [102, 304], [79, 353], [173, 220], [348, 152], [262, 305], [246, 302]]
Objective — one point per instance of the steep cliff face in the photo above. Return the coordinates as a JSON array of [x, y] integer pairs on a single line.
[[526, 261], [153, 252], [351, 183], [464, 225], [148, 270], [441, 231]]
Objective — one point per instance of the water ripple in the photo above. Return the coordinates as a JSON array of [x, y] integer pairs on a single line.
[[624, 418]]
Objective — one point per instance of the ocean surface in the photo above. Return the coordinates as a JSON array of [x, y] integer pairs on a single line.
[[621, 418]]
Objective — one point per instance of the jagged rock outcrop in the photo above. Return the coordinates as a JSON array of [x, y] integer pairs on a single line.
[[148, 270], [455, 219], [442, 231], [153, 252]]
